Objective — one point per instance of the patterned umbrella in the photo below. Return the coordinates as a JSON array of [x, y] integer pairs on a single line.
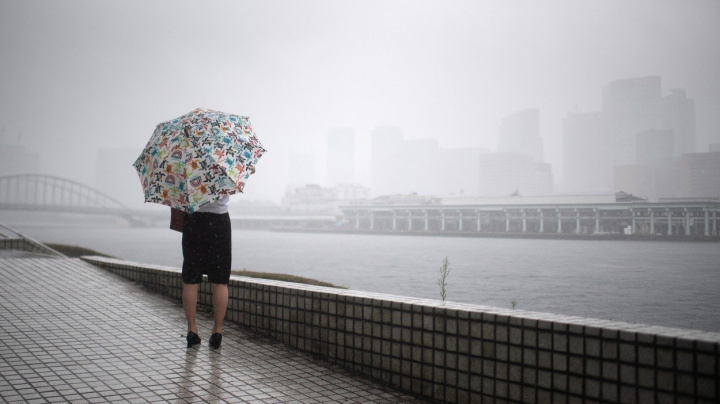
[[195, 159]]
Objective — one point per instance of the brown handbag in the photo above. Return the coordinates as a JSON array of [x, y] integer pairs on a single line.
[[177, 219]]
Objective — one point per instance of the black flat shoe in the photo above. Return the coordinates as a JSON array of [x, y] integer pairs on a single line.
[[215, 340], [192, 339]]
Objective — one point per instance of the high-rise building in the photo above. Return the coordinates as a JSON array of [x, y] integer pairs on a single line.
[[631, 106], [340, 156], [679, 116], [692, 175], [586, 153], [520, 133], [654, 147]]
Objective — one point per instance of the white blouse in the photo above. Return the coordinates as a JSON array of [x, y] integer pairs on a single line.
[[218, 207]]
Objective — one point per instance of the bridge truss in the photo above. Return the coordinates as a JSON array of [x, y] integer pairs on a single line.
[[50, 193]]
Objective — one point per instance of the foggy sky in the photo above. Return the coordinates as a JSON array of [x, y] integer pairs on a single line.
[[77, 76]]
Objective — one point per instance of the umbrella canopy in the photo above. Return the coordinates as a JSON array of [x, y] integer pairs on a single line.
[[195, 159]]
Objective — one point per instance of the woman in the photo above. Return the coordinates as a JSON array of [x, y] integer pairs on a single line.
[[207, 249]]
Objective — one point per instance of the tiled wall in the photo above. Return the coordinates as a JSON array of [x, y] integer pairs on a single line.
[[460, 353]]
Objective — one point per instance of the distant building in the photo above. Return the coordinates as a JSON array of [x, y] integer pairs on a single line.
[[654, 150], [403, 200], [314, 200], [586, 153], [654, 147], [631, 106], [503, 174], [345, 192], [636, 179], [679, 117], [309, 200], [340, 156], [714, 147], [520, 133], [692, 175], [637, 128], [570, 199]]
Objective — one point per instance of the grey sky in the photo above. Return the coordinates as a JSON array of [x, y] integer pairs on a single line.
[[76, 76]]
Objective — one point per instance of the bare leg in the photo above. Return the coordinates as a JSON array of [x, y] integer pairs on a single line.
[[189, 298], [220, 302]]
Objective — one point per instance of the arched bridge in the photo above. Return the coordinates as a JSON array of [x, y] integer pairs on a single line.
[[49, 193]]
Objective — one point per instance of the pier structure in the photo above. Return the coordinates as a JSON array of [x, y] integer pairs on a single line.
[[690, 218]]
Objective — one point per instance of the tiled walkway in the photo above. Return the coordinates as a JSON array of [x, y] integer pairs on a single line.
[[71, 332]]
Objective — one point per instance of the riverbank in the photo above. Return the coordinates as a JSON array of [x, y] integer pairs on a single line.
[[506, 235], [668, 284]]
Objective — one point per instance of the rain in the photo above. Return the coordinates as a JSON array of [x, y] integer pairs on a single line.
[[383, 103]]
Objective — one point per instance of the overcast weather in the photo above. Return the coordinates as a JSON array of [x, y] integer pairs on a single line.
[[493, 200], [78, 76]]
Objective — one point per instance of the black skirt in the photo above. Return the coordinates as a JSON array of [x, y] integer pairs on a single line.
[[207, 248]]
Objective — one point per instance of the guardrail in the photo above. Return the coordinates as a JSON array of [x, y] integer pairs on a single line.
[[11, 239]]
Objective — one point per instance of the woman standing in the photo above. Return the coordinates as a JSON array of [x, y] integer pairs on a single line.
[[207, 249]]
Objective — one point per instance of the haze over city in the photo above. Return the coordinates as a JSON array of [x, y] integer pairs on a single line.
[[79, 77]]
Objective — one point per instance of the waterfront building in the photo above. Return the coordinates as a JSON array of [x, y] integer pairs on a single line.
[[355, 191], [340, 156], [714, 147], [311, 199], [605, 215], [520, 133], [315, 200], [586, 153]]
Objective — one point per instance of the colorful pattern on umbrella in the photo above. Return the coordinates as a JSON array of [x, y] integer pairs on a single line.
[[195, 159]]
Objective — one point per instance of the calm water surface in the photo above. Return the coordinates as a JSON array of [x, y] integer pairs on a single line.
[[661, 283]]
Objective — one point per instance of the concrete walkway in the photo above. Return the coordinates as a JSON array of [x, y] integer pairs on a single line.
[[72, 332]]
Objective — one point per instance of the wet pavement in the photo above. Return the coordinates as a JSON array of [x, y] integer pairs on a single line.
[[72, 332]]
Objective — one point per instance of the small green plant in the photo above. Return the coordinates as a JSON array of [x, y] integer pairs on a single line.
[[513, 303], [442, 281]]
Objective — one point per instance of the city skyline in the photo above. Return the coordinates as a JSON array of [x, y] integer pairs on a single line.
[[81, 75], [521, 127]]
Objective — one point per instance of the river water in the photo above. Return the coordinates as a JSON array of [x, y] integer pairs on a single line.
[[675, 284]]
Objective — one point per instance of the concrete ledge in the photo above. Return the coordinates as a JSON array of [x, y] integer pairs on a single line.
[[460, 353]]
